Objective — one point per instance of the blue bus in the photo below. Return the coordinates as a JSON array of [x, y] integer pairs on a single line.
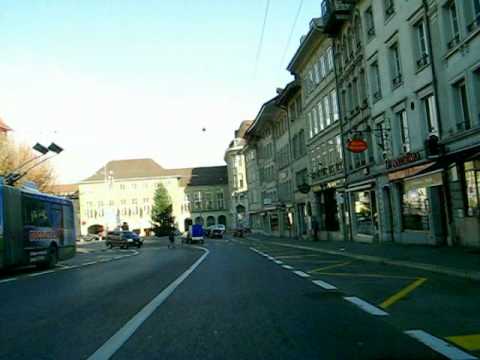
[[35, 228]]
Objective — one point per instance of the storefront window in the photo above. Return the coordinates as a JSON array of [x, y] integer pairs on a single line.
[[415, 209], [472, 187], [363, 212]]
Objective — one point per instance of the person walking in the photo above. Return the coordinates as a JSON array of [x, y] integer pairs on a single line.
[[171, 238]]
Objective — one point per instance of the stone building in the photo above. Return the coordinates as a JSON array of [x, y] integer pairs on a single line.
[[237, 177], [123, 191]]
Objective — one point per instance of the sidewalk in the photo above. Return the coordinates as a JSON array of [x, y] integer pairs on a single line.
[[462, 262]]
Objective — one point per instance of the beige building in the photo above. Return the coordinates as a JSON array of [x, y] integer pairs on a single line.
[[123, 191], [237, 177]]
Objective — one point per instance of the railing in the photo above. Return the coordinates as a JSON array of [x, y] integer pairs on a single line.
[[454, 42], [422, 61], [397, 80]]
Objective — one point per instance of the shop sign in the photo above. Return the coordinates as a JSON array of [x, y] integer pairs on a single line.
[[357, 146], [411, 171], [402, 160], [424, 182]]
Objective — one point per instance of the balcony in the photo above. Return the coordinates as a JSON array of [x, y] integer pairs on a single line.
[[335, 12]]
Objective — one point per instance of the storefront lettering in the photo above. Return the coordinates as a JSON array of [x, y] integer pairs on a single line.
[[402, 160]]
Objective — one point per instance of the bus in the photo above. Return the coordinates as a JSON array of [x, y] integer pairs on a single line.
[[35, 228]]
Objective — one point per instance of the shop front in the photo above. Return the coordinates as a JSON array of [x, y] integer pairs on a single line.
[[421, 208], [363, 211], [329, 202]]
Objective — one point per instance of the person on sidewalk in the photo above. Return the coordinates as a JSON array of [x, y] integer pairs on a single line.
[[171, 238], [315, 229]]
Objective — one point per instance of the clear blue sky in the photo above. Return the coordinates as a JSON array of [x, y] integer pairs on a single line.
[[126, 79]]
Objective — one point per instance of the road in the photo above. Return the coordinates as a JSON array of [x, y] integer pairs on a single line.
[[236, 303]]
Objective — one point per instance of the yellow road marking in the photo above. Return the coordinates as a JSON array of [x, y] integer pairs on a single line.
[[366, 275], [468, 342], [402, 293], [330, 267]]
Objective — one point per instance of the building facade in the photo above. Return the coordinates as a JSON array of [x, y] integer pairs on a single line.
[[123, 191], [237, 178]]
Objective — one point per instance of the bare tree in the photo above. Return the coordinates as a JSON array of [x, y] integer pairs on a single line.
[[12, 155]]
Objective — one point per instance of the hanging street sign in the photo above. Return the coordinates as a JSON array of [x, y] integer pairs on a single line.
[[357, 145]]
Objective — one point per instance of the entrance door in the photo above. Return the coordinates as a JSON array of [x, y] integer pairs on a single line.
[[331, 211]]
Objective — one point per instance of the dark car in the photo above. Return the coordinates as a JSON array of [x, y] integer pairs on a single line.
[[123, 239]]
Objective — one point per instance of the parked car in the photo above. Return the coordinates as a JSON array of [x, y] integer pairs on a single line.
[[217, 231], [123, 239]]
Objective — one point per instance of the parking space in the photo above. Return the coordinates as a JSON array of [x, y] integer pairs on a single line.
[[444, 306]]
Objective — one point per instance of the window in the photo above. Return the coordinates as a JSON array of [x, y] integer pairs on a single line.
[[454, 27], [363, 87], [396, 66], [330, 58], [122, 187], [111, 203], [355, 98], [389, 8], [123, 202], [421, 35], [476, 81], [326, 106], [134, 201], [208, 201], [220, 201], [369, 22], [472, 187], [35, 213], [404, 133], [315, 121], [338, 141], [301, 177], [383, 141], [376, 81], [316, 72], [134, 186], [335, 111], [463, 120], [431, 115], [474, 21], [310, 124], [197, 201], [323, 71], [321, 118], [292, 114], [415, 209], [364, 211]]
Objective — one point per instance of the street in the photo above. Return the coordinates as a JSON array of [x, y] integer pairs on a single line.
[[241, 300]]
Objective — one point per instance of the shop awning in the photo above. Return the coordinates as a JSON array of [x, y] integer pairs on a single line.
[[411, 171], [433, 178], [365, 185]]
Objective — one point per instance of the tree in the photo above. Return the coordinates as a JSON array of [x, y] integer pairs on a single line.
[[162, 218], [12, 155]]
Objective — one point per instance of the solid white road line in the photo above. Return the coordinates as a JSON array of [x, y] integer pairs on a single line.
[[324, 285], [41, 273], [122, 335], [89, 263], [440, 346], [301, 274], [288, 267], [8, 280], [278, 262], [365, 306]]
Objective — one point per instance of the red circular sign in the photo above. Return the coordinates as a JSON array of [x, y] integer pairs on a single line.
[[357, 145]]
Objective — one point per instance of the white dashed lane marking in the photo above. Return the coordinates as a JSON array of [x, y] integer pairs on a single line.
[[288, 267], [365, 306], [324, 285], [440, 346], [301, 274]]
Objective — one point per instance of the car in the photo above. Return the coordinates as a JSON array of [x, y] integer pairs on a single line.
[[123, 239], [217, 231]]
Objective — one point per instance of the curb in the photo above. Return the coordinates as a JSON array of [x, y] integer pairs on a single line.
[[470, 275]]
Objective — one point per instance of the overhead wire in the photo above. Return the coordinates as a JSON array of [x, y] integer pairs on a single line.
[[290, 36], [262, 35]]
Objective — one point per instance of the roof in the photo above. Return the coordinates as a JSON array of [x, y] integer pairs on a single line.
[[128, 169], [240, 133], [267, 112], [290, 90], [4, 127], [205, 176], [64, 189], [148, 168], [307, 45]]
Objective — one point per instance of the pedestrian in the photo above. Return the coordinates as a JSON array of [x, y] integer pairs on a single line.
[[171, 237], [315, 227]]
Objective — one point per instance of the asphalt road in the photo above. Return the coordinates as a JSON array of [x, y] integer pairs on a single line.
[[236, 304]]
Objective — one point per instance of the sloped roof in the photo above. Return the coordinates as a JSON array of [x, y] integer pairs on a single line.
[[128, 169], [148, 168], [240, 133]]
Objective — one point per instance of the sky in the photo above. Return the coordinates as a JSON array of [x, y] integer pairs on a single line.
[[124, 79]]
